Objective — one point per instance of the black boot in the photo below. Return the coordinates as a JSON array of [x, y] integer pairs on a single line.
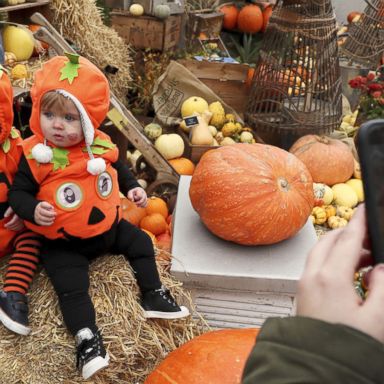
[[91, 354], [159, 304], [14, 312]]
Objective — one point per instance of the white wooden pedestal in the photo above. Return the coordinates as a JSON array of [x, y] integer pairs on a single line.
[[235, 286]]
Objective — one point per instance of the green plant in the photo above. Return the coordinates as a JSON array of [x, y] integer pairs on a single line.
[[248, 51]]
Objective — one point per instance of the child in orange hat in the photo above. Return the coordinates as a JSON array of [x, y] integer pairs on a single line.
[[24, 244], [67, 189]]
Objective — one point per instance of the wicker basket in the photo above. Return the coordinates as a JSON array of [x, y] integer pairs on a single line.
[[296, 88], [365, 43]]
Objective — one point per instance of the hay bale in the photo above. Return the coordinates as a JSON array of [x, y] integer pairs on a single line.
[[135, 345], [81, 22]]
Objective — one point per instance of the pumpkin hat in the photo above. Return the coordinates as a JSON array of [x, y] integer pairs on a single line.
[[6, 106], [85, 85]]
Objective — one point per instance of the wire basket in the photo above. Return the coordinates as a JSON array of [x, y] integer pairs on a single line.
[[296, 88], [365, 41]]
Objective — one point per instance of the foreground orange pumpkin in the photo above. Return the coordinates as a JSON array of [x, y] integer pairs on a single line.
[[250, 19], [216, 357], [252, 194], [329, 161]]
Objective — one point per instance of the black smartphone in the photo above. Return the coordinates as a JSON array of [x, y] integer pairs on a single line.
[[370, 147]]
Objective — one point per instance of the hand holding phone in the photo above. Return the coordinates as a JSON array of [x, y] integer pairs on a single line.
[[370, 147]]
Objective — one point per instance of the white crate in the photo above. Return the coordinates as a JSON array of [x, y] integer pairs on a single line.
[[235, 286]]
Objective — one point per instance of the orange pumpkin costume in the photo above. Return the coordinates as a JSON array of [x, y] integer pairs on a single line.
[[81, 183], [70, 188], [10, 154], [25, 257]]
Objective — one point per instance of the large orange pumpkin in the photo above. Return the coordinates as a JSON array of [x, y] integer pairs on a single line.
[[230, 16], [252, 194], [216, 357], [329, 161], [182, 166], [131, 212], [250, 19]]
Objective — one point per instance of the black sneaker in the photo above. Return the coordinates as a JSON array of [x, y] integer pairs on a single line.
[[91, 354], [14, 312], [159, 304]]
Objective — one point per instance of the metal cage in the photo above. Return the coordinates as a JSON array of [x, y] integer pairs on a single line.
[[365, 41], [296, 88]]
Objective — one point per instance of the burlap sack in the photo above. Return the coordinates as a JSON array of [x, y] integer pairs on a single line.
[[174, 86]]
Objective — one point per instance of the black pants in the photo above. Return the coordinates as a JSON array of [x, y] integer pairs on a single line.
[[67, 265]]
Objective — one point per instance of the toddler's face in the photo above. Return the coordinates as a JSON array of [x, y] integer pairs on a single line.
[[62, 126]]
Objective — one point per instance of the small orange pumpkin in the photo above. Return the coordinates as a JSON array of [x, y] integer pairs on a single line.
[[215, 357], [164, 241], [154, 223], [157, 205], [267, 13], [182, 166], [230, 16], [131, 212], [250, 19]]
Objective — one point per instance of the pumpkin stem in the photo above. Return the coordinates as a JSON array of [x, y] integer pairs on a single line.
[[283, 184], [324, 140]]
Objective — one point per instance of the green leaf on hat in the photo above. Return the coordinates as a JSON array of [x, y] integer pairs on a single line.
[[14, 133], [100, 146], [70, 70], [60, 158], [6, 145], [98, 150], [103, 143]]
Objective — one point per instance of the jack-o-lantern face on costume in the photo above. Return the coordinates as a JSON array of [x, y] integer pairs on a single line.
[[86, 201], [10, 154]]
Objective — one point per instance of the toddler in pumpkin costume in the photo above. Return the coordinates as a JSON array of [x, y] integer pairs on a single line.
[[67, 189], [23, 246]]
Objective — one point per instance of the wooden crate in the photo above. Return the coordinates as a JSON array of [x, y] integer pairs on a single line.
[[191, 151], [147, 31], [227, 80], [208, 23]]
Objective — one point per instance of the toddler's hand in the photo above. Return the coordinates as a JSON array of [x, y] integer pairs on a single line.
[[15, 223], [138, 196], [44, 214]]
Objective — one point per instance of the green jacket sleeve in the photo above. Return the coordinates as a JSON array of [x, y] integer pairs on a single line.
[[306, 351]]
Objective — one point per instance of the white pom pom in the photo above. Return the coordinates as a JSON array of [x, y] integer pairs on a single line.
[[96, 166], [42, 153]]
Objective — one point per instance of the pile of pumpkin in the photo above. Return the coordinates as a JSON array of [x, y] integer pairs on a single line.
[[215, 127], [155, 220], [19, 46], [161, 11], [247, 18], [337, 186], [171, 147]]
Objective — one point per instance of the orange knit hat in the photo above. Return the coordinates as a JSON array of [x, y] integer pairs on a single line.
[[6, 106], [85, 85]]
